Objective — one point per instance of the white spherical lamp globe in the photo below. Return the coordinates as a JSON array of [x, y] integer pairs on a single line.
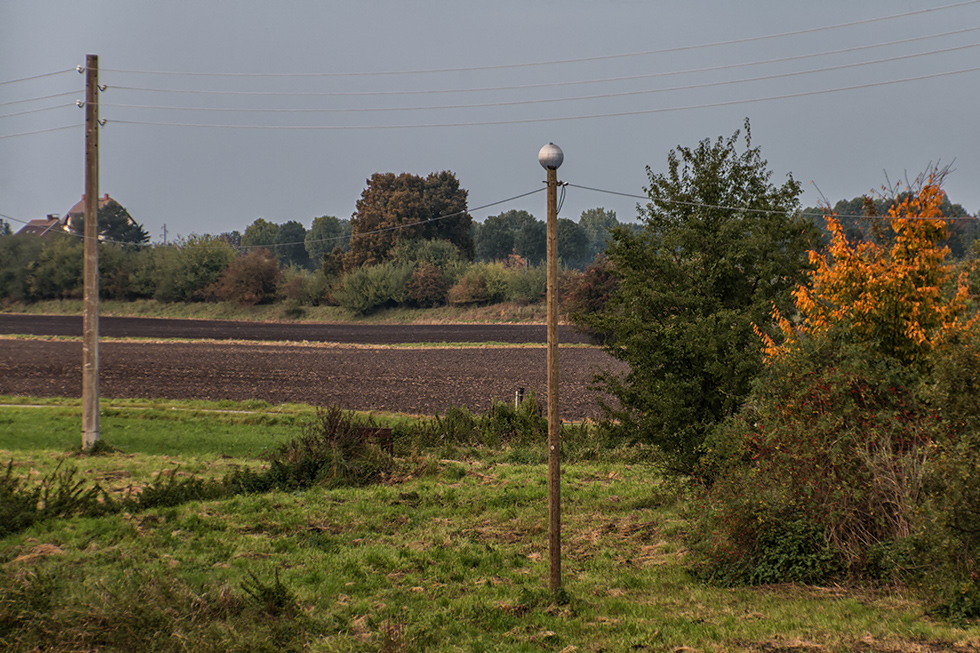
[[550, 157]]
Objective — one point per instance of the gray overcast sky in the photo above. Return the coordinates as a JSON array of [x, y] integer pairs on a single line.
[[310, 142]]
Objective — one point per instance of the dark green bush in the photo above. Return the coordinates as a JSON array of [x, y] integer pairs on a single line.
[[369, 288], [829, 449], [251, 279], [428, 286], [333, 451]]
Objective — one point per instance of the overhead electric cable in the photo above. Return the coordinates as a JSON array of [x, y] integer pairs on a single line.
[[684, 48], [580, 82], [41, 131], [516, 121], [597, 96], [27, 79], [702, 205], [42, 97], [28, 111]]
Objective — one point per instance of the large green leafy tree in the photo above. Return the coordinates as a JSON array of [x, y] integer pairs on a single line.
[[494, 239], [401, 207], [597, 223], [260, 234], [115, 225], [531, 240], [573, 244], [719, 246], [325, 233], [290, 244]]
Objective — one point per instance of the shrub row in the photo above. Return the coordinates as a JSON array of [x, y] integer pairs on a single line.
[[206, 268]]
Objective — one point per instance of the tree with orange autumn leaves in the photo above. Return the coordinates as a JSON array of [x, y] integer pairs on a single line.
[[893, 295], [856, 452]]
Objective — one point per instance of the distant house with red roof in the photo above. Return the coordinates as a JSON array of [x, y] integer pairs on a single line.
[[52, 225]]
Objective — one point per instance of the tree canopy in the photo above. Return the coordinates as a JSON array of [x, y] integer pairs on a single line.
[[324, 234], [720, 245], [394, 207]]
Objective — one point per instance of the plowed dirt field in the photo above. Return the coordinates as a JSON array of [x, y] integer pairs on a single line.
[[347, 373]]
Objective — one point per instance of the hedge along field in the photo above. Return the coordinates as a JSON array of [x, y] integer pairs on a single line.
[[447, 553]]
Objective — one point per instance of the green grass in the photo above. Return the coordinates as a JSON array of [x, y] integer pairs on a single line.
[[450, 555], [191, 428]]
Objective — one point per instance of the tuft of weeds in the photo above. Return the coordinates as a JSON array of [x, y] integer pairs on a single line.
[[333, 451], [168, 491], [274, 598], [58, 494]]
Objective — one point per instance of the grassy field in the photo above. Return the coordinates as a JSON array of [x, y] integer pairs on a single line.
[[449, 555]]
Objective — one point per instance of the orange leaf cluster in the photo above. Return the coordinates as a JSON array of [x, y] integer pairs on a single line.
[[892, 296]]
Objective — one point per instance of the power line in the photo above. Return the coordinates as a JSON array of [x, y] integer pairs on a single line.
[[42, 97], [27, 79], [41, 131], [685, 48], [543, 84], [29, 111], [597, 96], [745, 209], [615, 114]]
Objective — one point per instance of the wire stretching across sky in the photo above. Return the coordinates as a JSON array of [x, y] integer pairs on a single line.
[[613, 114], [544, 85], [563, 99], [684, 48]]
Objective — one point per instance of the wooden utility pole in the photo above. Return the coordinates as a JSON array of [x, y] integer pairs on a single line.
[[90, 318], [550, 157]]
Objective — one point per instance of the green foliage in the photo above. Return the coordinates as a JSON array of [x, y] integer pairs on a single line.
[[401, 207], [720, 246], [503, 426], [589, 293], [428, 286], [261, 234], [333, 451], [290, 245], [531, 241], [573, 244], [251, 279], [167, 490], [526, 285], [56, 272], [831, 437], [326, 233], [58, 494], [598, 225], [185, 271], [16, 255], [274, 599], [440, 253], [482, 283], [369, 288], [951, 513]]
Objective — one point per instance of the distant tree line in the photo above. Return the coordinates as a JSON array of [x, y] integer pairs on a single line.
[[410, 242]]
